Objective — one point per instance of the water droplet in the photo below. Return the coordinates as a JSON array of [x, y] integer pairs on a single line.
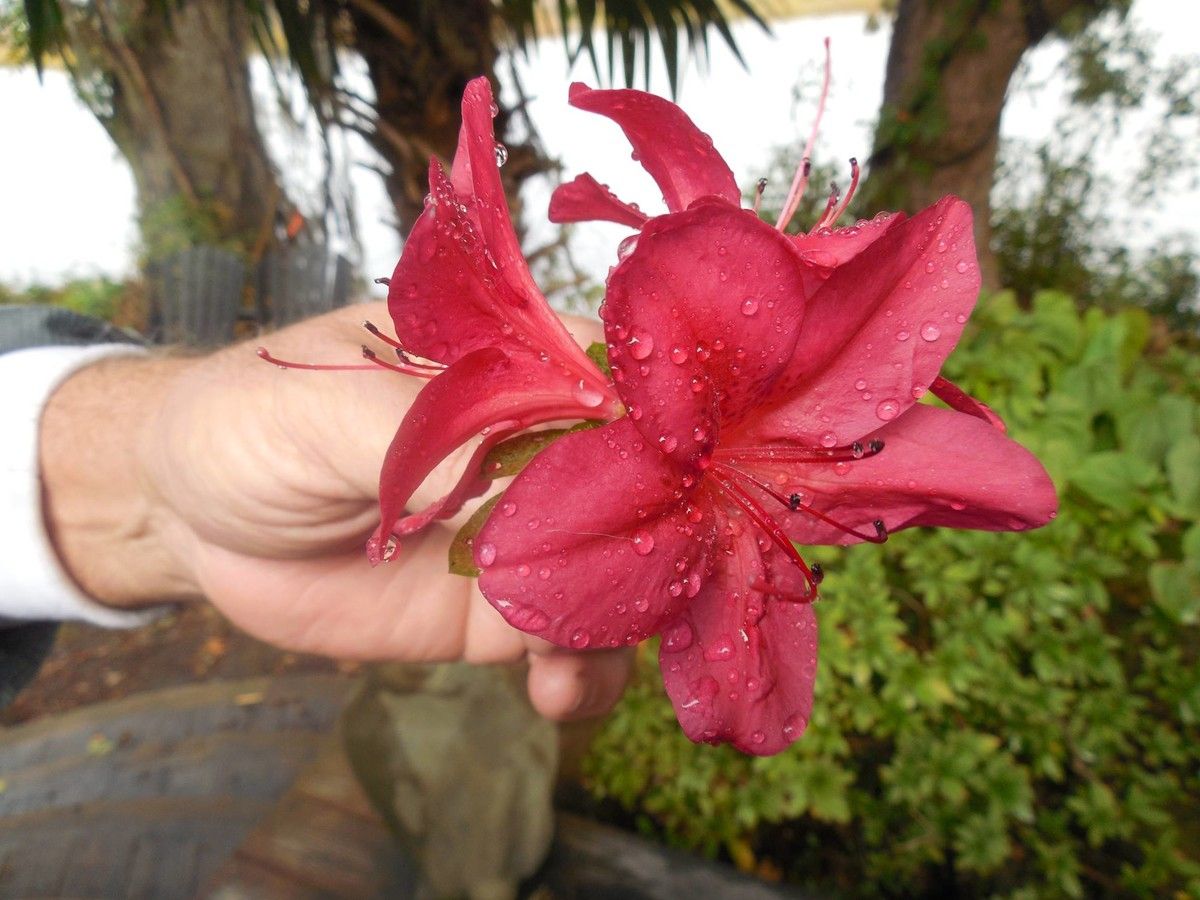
[[580, 639], [668, 442], [720, 649], [675, 588], [501, 154], [643, 543], [523, 570], [494, 109], [930, 332], [678, 637], [757, 738], [699, 435], [695, 515], [528, 618], [902, 335], [486, 554], [961, 266], [641, 346], [941, 246], [679, 355], [793, 726], [957, 505], [749, 306], [829, 439], [960, 318], [702, 351], [861, 384], [544, 573], [697, 384], [929, 267], [887, 410], [641, 604], [508, 508], [587, 396], [841, 468], [533, 524]]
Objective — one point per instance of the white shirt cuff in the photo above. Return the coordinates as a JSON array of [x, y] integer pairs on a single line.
[[33, 584]]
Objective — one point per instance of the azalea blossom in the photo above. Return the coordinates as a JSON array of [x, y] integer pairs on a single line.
[[462, 298], [772, 386]]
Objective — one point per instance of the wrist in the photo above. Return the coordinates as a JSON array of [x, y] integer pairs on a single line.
[[113, 534]]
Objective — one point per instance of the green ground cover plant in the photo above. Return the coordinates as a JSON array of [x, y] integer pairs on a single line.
[[1010, 715]]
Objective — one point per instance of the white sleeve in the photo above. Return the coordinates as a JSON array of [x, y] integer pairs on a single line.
[[33, 585]]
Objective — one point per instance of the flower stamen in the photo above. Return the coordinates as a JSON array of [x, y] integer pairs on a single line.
[[800, 180], [855, 451]]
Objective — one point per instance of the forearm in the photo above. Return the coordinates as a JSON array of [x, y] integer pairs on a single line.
[[115, 540]]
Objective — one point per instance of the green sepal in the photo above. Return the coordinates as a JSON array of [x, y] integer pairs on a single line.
[[598, 353], [511, 456], [461, 557]]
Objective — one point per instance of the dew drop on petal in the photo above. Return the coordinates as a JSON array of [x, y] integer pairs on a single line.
[[929, 267], [757, 738], [641, 604], [793, 726], [887, 410], [930, 332], [861, 384], [668, 442], [829, 439], [586, 396], [508, 508], [523, 570], [749, 306], [902, 335], [641, 346], [675, 588], [643, 543], [841, 468], [487, 554], [962, 266], [679, 355], [720, 649], [501, 154], [678, 637], [528, 618], [580, 639], [699, 435]]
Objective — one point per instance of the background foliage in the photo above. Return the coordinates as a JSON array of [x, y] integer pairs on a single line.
[[996, 714]]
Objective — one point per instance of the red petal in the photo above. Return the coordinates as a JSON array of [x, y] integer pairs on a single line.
[[876, 335], [739, 666], [826, 249], [484, 389], [586, 200], [677, 154], [937, 467], [707, 306], [956, 398], [462, 283], [596, 542]]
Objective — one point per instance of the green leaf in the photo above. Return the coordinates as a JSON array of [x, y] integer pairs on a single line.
[[511, 456], [598, 353], [1176, 591], [1114, 479], [462, 559], [1183, 473]]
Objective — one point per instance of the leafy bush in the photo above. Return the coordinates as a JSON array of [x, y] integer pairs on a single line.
[[100, 297], [996, 714]]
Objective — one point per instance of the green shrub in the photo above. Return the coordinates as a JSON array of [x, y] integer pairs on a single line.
[[996, 714]]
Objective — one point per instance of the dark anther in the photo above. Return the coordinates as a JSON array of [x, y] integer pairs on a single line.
[[880, 529], [762, 185], [818, 574], [807, 166], [875, 446], [368, 353], [794, 501], [854, 160], [857, 449], [383, 281]]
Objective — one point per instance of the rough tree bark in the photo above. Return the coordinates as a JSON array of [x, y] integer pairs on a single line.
[[175, 97], [947, 76], [420, 55]]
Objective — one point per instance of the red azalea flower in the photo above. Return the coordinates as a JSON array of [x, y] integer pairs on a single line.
[[771, 399], [462, 296]]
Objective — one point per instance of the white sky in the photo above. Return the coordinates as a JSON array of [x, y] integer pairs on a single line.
[[66, 197]]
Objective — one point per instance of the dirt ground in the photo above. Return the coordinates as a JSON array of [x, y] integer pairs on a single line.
[[91, 665]]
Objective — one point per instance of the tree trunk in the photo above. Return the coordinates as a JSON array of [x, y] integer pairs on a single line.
[[175, 97], [420, 56], [948, 71]]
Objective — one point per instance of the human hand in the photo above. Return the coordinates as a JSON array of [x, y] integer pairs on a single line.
[[224, 477]]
